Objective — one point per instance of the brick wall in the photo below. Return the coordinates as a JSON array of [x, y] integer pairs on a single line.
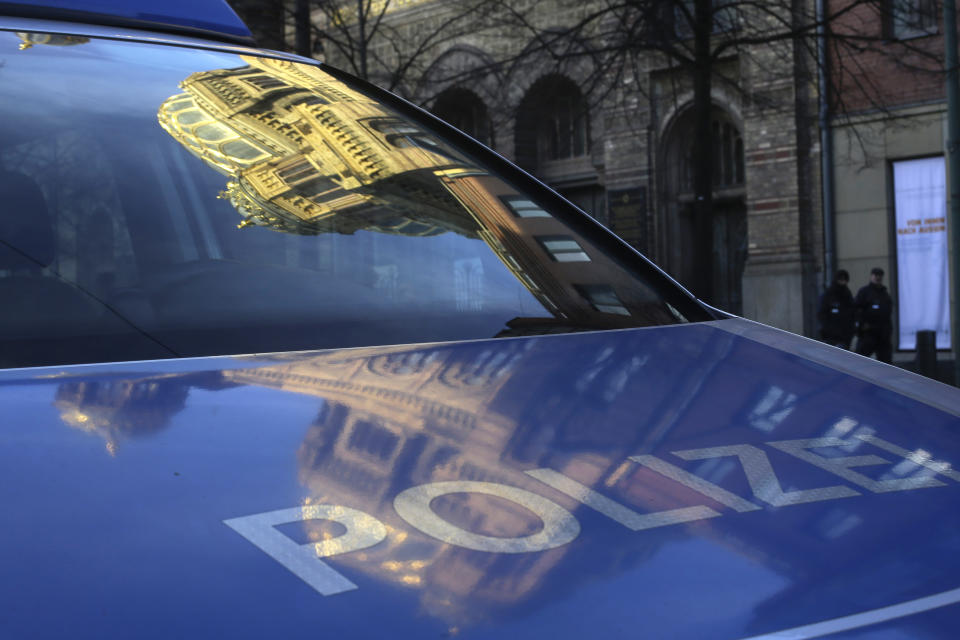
[[870, 70]]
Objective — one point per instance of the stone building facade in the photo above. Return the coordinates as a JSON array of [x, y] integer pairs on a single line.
[[889, 110], [620, 146]]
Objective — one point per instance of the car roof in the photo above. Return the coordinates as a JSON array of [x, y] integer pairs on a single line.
[[212, 19]]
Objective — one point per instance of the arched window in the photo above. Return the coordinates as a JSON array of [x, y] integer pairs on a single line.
[[727, 153], [562, 131], [464, 110], [552, 122]]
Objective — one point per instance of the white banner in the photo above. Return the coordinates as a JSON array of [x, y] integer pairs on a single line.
[[923, 293]]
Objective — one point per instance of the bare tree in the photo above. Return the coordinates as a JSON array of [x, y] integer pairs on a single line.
[[359, 35], [265, 19], [623, 40]]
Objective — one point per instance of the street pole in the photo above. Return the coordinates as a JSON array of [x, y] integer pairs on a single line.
[[953, 161], [301, 17]]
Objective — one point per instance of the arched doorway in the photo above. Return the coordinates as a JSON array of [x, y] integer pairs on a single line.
[[729, 220]]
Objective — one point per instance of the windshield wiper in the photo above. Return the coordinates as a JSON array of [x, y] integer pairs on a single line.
[[521, 326]]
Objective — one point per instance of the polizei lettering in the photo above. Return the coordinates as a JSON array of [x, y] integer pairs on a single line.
[[362, 531]]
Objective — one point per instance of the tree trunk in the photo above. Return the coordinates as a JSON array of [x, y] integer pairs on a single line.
[[362, 37], [266, 22], [301, 18], [703, 168]]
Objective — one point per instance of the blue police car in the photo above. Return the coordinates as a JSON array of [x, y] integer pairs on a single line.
[[285, 356]]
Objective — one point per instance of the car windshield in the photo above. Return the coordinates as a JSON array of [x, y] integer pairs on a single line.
[[162, 201]]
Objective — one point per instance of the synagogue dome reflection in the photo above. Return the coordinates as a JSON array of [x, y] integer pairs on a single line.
[[305, 154]]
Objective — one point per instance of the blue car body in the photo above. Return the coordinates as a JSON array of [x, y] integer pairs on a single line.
[[212, 19], [717, 480], [705, 479]]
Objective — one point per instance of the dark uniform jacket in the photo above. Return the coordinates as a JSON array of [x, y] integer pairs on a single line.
[[836, 314], [874, 309]]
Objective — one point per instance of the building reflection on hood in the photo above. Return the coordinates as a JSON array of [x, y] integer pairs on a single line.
[[116, 409], [398, 417], [476, 412], [409, 417]]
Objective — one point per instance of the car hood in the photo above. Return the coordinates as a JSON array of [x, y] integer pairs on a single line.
[[721, 480]]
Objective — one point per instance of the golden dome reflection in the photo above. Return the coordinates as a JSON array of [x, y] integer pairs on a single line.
[[302, 152], [31, 38]]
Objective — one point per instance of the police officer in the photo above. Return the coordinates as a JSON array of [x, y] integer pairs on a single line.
[[874, 309], [836, 312]]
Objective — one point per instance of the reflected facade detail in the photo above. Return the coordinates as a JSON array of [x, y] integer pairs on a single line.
[[452, 467], [304, 153], [119, 409], [362, 215]]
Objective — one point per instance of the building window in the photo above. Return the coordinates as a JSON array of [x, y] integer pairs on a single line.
[[562, 130], [297, 172], [393, 126], [401, 134], [464, 110], [468, 281], [727, 156], [523, 207], [724, 17], [265, 82], [552, 123], [373, 440], [563, 249], [911, 18], [603, 298]]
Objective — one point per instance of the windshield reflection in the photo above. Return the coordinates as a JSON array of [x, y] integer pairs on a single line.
[[361, 224], [306, 154]]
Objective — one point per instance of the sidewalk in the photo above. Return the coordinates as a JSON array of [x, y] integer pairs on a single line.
[[944, 369]]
